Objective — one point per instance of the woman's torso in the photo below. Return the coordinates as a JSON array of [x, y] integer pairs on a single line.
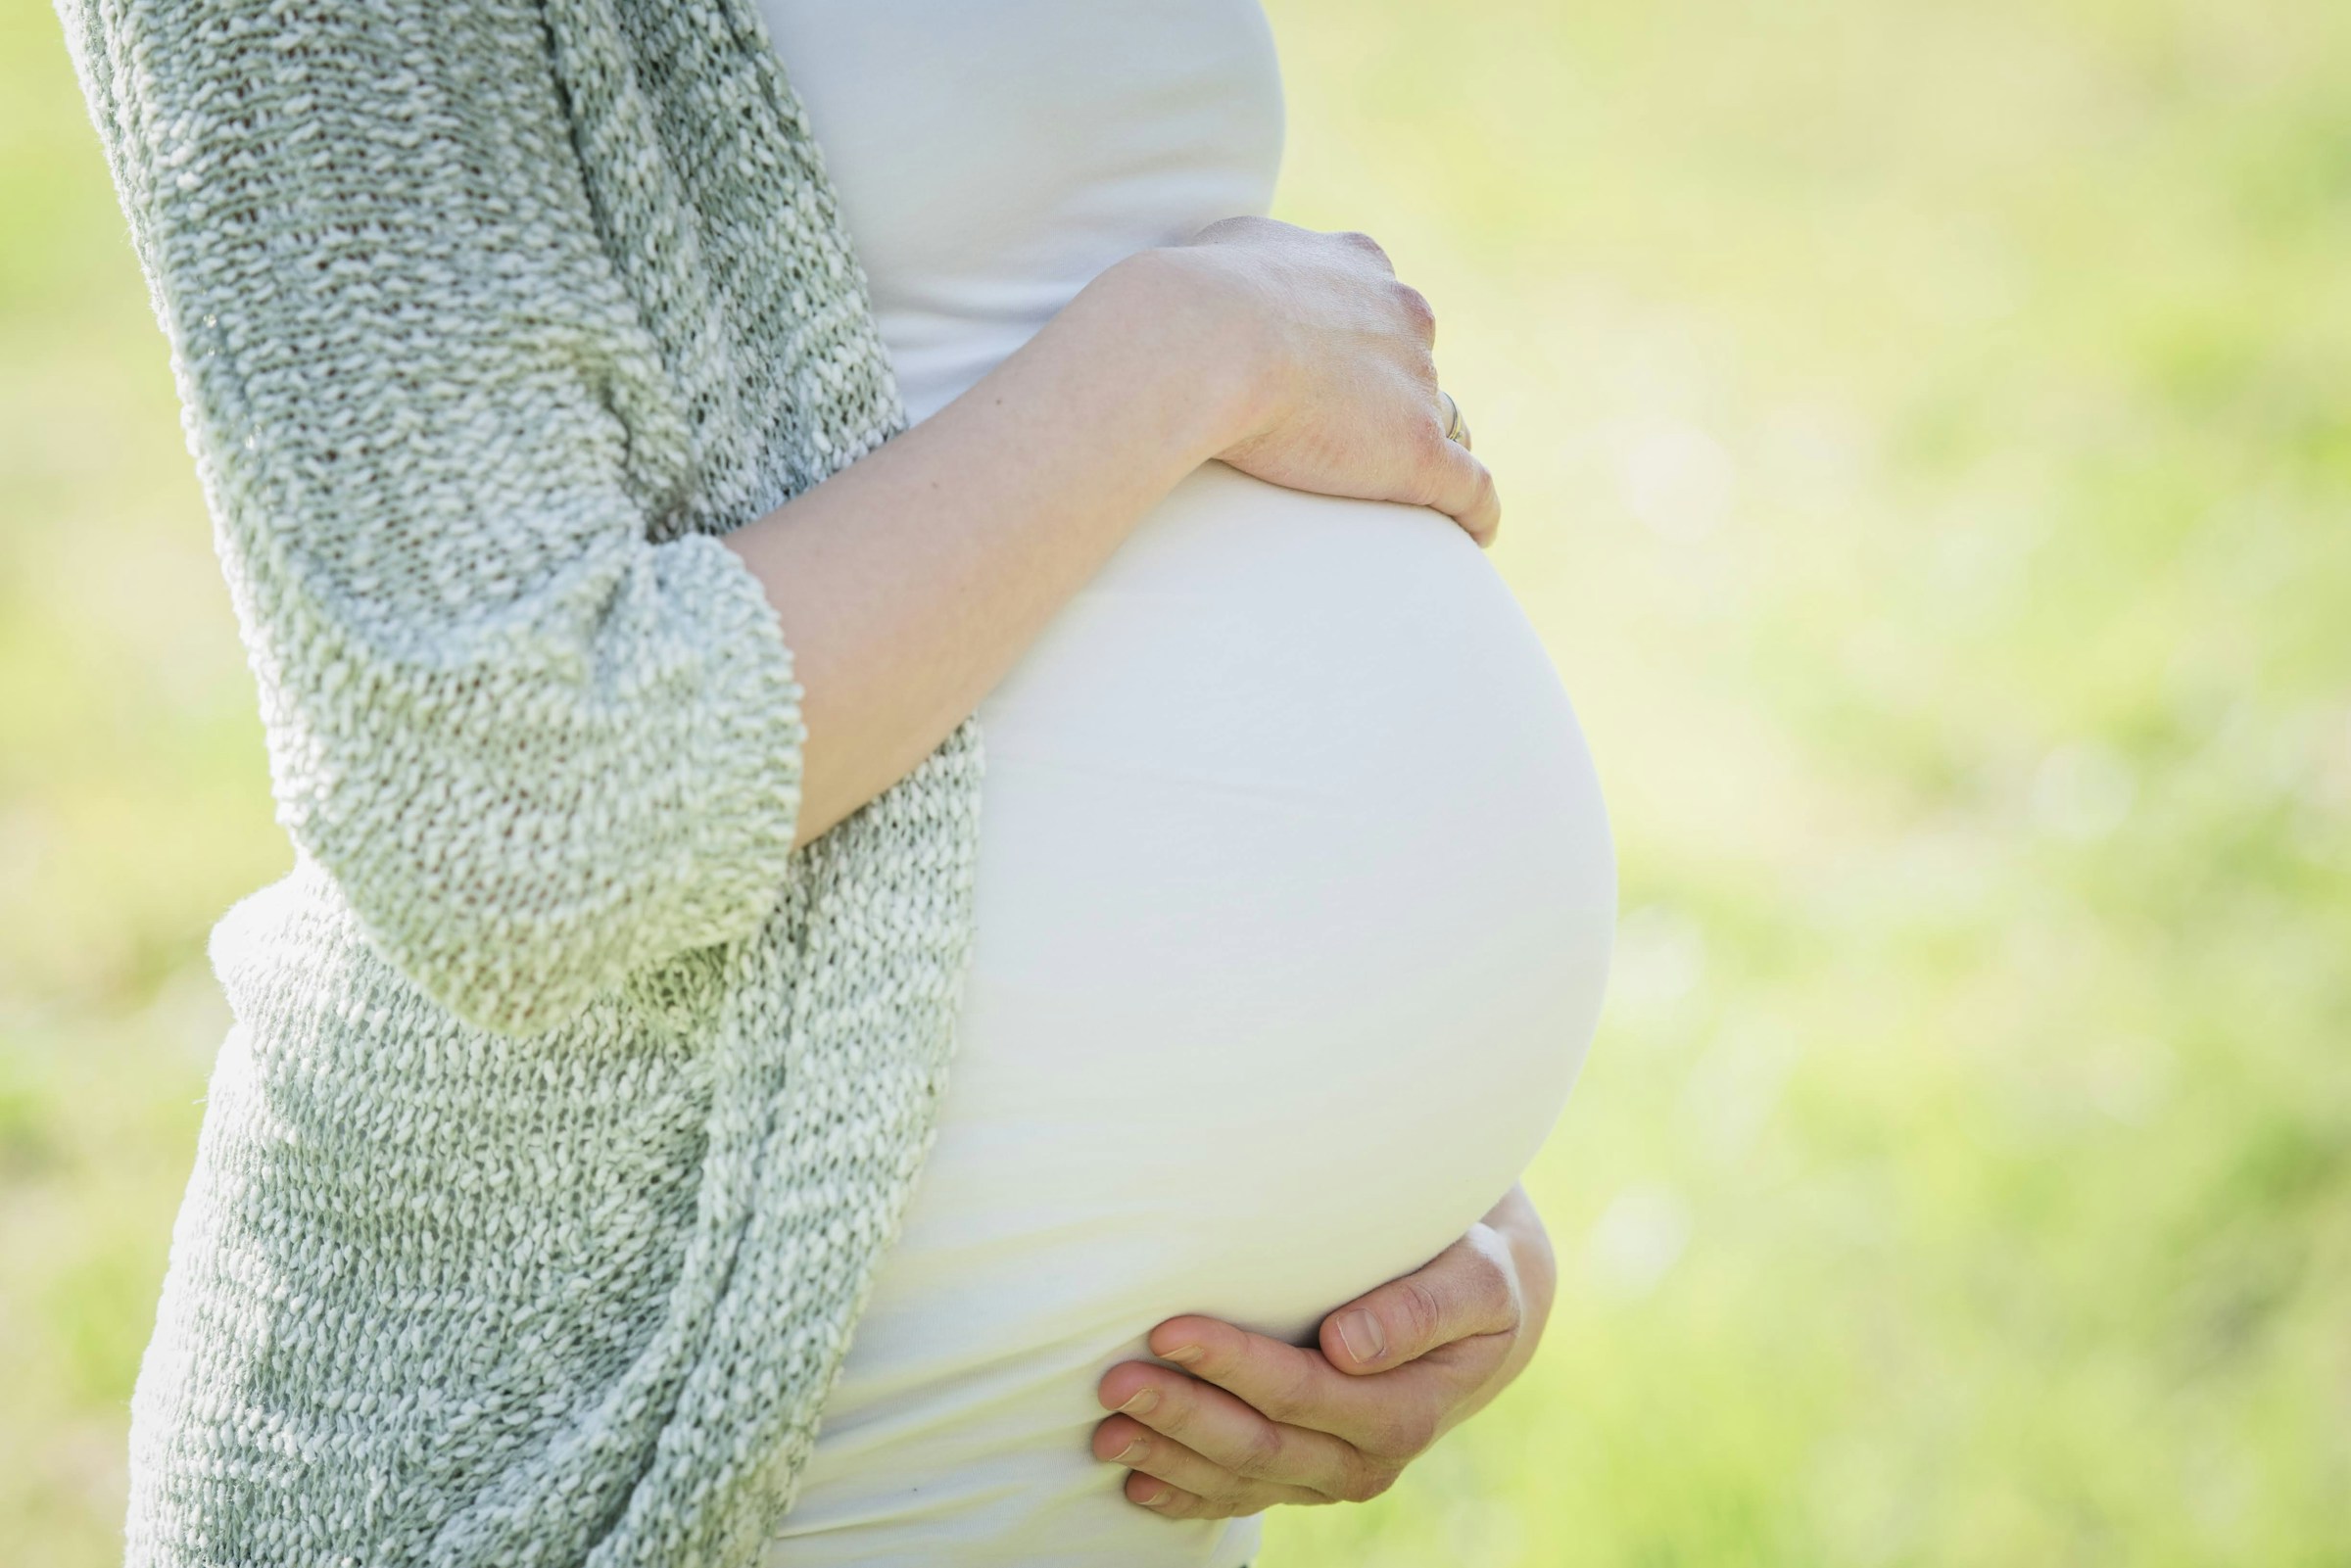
[[1295, 885]]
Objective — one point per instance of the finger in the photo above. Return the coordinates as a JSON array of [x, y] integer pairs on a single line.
[[1122, 1440], [1288, 1384], [1467, 1289], [1384, 1418], [1172, 1502], [1458, 486], [1227, 1433]]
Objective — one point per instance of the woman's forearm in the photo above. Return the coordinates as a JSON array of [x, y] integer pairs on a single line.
[[910, 582]]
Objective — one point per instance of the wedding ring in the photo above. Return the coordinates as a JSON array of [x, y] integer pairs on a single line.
[[1455, 427]]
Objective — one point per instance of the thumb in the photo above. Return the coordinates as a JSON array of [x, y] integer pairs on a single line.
[[1469, 1289]]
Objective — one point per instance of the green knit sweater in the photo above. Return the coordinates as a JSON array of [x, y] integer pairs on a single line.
[[567, 1111]]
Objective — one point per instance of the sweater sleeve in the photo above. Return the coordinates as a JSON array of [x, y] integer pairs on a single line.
[[537, 743]]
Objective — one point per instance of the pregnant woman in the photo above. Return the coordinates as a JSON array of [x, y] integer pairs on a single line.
[[639, 521]]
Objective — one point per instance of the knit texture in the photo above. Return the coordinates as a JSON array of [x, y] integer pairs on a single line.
[[567, 1111]]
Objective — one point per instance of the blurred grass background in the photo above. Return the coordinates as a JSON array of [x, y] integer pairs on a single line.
[[1926, 438]]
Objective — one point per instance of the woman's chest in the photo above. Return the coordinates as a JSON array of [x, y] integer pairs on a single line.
[[990, 159]]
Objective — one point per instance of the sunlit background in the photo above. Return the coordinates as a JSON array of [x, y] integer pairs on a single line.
[[1925, 431]]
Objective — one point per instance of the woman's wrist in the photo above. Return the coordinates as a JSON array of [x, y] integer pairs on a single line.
[[1231, 373]]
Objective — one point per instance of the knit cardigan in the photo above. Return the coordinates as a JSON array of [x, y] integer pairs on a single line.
[[566, 1110]]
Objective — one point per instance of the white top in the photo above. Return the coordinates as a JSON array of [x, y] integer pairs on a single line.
[[992, 159], [1232, 1042]]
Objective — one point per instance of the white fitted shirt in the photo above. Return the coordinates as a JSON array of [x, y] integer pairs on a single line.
[[1233, 1043]]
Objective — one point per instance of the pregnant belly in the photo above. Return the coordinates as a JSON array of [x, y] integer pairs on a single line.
[[1294, 900]]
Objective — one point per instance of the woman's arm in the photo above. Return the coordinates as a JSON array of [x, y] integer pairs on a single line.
[[1252, 1422], [540, 740], [913, 580]]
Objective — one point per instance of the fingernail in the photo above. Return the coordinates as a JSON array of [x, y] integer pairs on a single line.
[[1158, 1499], [1359, 1332], [1182, 1354], [1133, 1450], [1144, 1402]]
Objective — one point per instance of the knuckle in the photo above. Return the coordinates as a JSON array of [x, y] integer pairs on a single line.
[[1423, 1311], [1493, 1279], [1174, 1416], [1405, 1434], [1182, 1504], [1479, 518], [1222, 228], [1417, 308], [1428, 433], [1260, 1457], [1505, 1308], [1289, 1398], [1481, 497], [1366, 1480], [1365, 242]]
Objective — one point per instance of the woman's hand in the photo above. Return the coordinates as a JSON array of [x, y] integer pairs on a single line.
[[1250, 1421], [1349, 402]]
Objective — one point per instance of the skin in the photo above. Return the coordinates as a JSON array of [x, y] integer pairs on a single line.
[[1242, 1422], [908, 584]]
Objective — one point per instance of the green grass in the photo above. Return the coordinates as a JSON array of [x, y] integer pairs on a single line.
[[1926, 449]]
